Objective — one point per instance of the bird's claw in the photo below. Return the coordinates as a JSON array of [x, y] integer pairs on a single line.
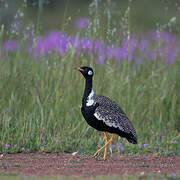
[[96, 154], [99, 158]]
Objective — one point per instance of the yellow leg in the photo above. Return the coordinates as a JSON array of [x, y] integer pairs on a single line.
[[109, 142], [107, 139], [105, 146]]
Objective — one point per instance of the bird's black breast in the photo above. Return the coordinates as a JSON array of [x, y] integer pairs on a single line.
[[88, 114]]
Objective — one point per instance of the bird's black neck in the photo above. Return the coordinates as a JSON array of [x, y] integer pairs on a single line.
[[88, 89]]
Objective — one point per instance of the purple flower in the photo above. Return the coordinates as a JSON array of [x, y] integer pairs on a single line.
[[168, 52], [153, 55], [113, 145], [145, 145], [101, 60], [131, 53], [137, 48], [82, 23], [87, 44], [139, 145], [97, 45], [167, 37], [118, 53], [10, 45], [173, 174], [56, 41], [143, 44], [173, 154], [110, 51], [15, 145], [7, 146], [74, 42], [124, 49], [131, 45], [121, 147], [22, 149], [149, 147], [103, 49], [170, 55]]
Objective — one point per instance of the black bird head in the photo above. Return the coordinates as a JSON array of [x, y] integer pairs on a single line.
[[86, 71]]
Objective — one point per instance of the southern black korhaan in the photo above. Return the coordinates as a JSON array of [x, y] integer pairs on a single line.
[[103, 114]]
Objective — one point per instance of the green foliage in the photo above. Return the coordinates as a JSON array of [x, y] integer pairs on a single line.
[[40, 100], [149, 176], [40, 103]]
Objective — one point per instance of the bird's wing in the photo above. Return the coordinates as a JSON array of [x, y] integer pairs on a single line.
[[112, 115]]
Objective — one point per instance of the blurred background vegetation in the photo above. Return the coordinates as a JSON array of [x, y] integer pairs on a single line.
[[54, 14]]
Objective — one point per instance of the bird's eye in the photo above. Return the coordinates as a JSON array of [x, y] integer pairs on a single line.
[[90, 73]]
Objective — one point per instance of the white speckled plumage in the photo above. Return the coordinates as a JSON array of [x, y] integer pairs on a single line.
[[90, 100], [112, 115]]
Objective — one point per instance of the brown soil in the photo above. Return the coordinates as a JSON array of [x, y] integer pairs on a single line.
[[68, 164]]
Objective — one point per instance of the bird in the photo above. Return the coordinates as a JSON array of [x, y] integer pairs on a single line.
[[103, 114]]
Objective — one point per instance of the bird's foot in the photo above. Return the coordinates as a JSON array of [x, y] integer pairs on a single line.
[[96, 154], [100, 158]]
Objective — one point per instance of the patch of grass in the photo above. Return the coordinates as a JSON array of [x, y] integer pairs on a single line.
[[36, 104], [17, 165], [5, 165], [87, 172], [8, 174], [148, 176]]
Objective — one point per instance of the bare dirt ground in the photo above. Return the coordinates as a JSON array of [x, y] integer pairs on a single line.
[[68, 164]]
